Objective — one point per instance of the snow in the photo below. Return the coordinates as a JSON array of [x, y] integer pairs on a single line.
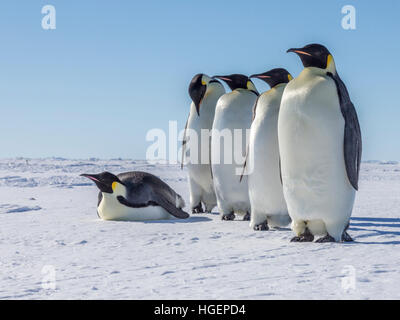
[[49, 223]]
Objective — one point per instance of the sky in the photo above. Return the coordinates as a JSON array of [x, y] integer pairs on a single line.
[[113, 70]]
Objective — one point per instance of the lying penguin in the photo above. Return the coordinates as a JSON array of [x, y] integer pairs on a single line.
[[136, 196]]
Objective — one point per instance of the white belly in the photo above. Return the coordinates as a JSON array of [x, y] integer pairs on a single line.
[[265, 188], [197, 149], [111, 209], [234, 111], [311, 131]]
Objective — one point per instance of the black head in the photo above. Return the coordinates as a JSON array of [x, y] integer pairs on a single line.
[[198, 88], [238, 81], [104, 181], [274, 77], [313, 55]]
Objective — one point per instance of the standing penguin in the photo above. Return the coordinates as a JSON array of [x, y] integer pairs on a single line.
[[136, 196], [228, 144], [205, 93], [268, 206], [320, 148]]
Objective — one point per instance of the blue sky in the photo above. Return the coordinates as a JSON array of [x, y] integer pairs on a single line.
[[112, 70]]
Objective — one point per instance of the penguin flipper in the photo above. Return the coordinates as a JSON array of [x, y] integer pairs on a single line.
[[244, 164], [171, 208], [209, 156], [184, 142], [247, 151], [255, 108], [352, 144], [131, 204], [99, 198]]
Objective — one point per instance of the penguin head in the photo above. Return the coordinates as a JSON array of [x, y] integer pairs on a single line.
[[105, 181], [274, 77], [238, 81], [315, 55], [198, 88]]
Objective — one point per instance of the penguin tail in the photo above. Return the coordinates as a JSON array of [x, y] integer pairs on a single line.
[[243, 171]]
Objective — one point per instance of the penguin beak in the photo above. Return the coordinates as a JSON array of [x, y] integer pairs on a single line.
[[103, 186], [260, 76], [299, 51], [224, 78], [227, 80], [263, 76]]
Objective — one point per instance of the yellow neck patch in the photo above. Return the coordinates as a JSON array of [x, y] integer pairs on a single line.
[[329, 60], [114, 185], [118, 189], [290, 77]]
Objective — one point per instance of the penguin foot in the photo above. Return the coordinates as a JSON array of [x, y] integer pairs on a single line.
[[261, 227], [229, 217], [208, 211], [346, 237], [327, 238], [246, 217], [198, 209], [307, 236]]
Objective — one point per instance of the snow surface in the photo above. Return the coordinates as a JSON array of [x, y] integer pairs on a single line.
[[48, 220]]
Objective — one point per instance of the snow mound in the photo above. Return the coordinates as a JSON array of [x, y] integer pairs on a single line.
[[13, 208]]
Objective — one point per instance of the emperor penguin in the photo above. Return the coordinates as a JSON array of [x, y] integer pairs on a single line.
[[196, 145], [228, 145], [320, 149], [268, 206], [136, 196]]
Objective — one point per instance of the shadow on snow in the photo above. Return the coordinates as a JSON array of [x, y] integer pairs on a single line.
[[188, 220], [376, 224]]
